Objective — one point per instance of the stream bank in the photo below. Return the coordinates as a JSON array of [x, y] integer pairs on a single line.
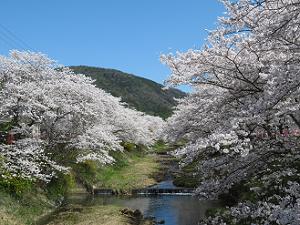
[[125, 208], [132, 169], [82, 214]]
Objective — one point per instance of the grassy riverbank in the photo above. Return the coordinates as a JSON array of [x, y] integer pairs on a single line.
[[134, 168], [99, 214], [104, 215], [23, 211], [186, 176], [133, 171]]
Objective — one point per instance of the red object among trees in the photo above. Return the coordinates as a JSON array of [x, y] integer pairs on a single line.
[[10, 138]]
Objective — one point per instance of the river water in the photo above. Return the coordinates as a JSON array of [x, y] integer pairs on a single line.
[[173, 209]]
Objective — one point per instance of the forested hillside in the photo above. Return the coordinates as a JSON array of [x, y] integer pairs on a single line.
[[143, 94]]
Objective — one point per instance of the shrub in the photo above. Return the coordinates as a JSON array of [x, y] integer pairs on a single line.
[[129, 146], [85, 172], [60, 185], [15, 186]]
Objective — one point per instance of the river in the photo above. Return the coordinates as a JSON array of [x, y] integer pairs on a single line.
[[175, 209], [172, 208]]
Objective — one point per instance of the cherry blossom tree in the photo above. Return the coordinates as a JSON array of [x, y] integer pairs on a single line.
[[53, 112], [246, 94]]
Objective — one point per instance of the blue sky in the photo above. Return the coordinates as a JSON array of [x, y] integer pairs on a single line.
[[128, 35]]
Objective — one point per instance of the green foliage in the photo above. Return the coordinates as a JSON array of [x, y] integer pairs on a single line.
[[85, 172], [24, 210], [59, 186], [12, 184], [129, 146], [214, 211], [5, 126], [160, 147], [132, 153], [21, 200], [140, 93], [15, 186], [187, 181], [235, 194], [188, 176], [121, 159]]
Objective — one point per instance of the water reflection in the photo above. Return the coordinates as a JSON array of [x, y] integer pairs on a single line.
[[174, 210]]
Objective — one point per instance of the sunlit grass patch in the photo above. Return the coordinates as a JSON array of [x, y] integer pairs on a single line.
[[136, 171]]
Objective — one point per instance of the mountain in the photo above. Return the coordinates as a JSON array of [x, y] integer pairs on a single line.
[[142, 94]]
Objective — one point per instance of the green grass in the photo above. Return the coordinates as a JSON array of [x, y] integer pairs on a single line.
[[23, 211], [23, 202], [132, 170], [161, 147], [76, 214]]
